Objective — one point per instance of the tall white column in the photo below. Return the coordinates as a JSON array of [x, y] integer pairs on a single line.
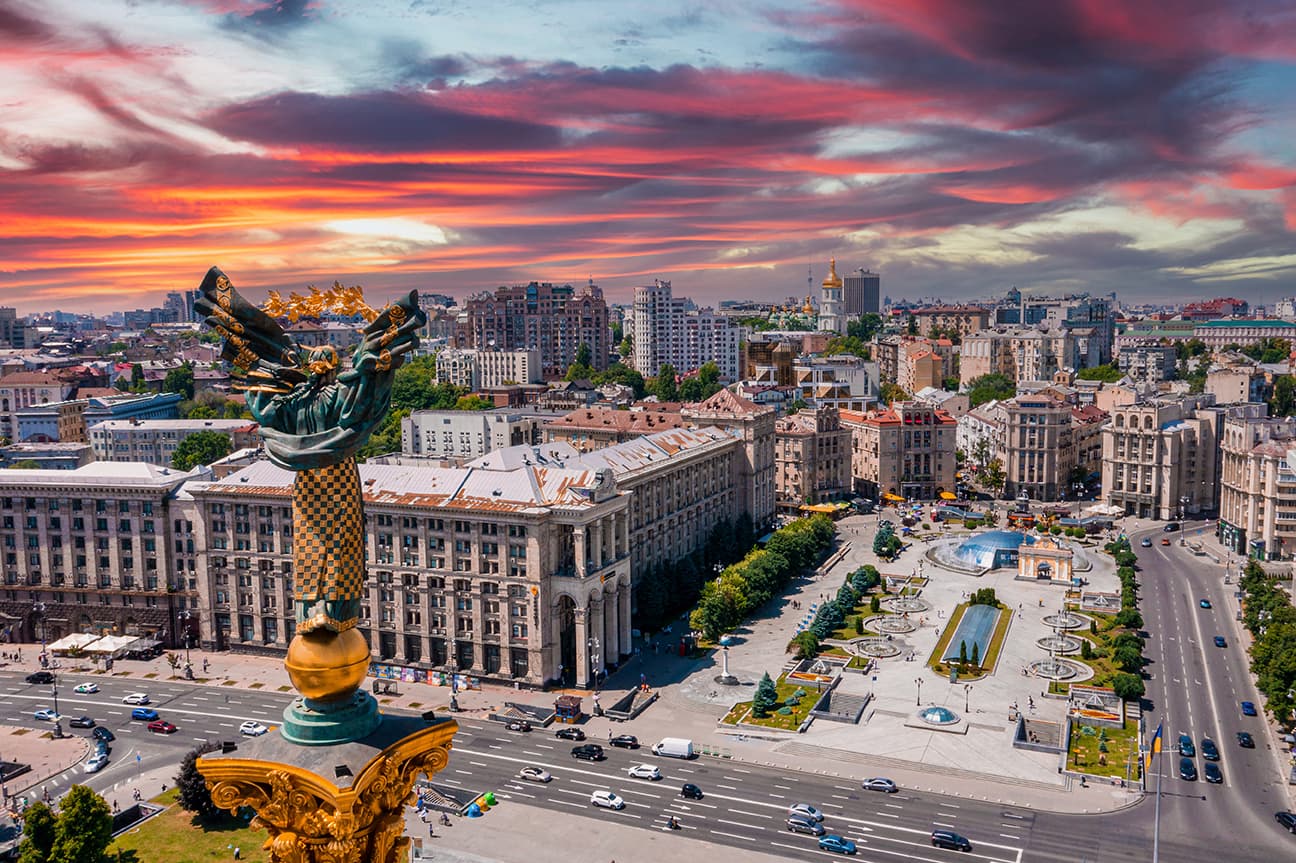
[[623, 605], [611, 641], [595, 630], [582, 652]]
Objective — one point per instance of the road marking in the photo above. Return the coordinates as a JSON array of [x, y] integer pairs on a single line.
[[726, 787], [738, 824], [734, 836], [752, 814]]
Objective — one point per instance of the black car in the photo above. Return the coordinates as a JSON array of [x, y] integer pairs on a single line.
[[588, 752], [1286, 820], [950, 839], [1186, 746], [624, 741], [101, 733], [1212, 773], [1187, 770], [797, 824], [1245, 740], [82, 722], [518, 725], [41, 677], [1172, 527], [1209, 750], [691, 791], [570, 734]]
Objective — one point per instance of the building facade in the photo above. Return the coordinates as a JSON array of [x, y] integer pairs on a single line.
[[1038, 448], [101, 549], [465, 435], [842, 381], [861, 294], [963, 320], [552, 319], [812, 457], [1019, 354], [1221, 334], [1148, 360], [56, 421], [484, 369], [906, 451], [671, 330], [501, 574], [155, 441], [28, 389], [1257, 509], [596, 427], [1161, 456], [753, 424], [832, 317]]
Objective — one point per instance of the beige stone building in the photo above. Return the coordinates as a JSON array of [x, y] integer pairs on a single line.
[[28, 389], [103, 549], [753, 424], [919, 367], [1022, 354], [1238, 384], [155, 441], [812, 458], [595, 427], [964, 320], [1038, 447], [906, 451], [507, 574], [1160, 457], [1257, 510], [461, 435]]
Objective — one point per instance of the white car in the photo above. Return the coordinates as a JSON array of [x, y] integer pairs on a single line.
[[607, 800], [805, 810], [46, 715], [252, 728], [86, 688], [534, 774], [878, 783], [136, 698], [96, 762], [644, 771]]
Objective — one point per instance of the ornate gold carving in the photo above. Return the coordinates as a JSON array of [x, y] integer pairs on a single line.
[[308, 819], [384, 361], [343, 300]]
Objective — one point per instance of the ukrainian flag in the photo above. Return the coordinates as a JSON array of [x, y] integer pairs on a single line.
[[1153, 748]]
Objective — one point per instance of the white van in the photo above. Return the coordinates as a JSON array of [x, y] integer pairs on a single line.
[[674, 747]]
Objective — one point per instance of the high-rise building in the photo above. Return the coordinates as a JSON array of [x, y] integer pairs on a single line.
[[1039, 453], [12, 329], [672, 330], [861, 294], [553, 319], [812, 453], [831, 317]]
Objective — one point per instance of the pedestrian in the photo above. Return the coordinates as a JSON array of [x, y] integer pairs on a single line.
[[237, 852]]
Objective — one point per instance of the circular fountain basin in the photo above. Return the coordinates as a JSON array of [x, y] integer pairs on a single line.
[[1065, 620], [889, 624], [906, 604], [1059, 643], [874, 648], [1057, 669]]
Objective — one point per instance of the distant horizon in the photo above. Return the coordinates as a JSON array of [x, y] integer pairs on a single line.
[[957, 147]]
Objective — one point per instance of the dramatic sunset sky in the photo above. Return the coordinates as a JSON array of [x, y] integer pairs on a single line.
[[957, 146]]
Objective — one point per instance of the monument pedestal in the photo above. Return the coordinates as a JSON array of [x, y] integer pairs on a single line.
[[331, 804]]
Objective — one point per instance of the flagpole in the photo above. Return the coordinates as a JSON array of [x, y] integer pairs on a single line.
[[1156, 818]]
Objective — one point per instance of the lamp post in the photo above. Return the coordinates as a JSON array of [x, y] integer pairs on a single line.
[[39, 608], [918, 702], [967, 698], [1183, 506], [184, 617], [593, 647]]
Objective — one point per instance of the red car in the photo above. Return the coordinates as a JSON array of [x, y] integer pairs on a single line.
[[161, 726]]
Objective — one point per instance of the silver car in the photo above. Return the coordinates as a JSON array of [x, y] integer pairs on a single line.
[[805, 810], [877, 783]]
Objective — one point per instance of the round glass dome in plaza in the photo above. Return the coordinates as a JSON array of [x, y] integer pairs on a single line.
[[992, 549]]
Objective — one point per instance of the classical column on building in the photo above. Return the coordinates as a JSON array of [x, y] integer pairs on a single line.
[[595, 529], [611, 642], [609, 539], [623, 605], [582, 652], [578, 551]]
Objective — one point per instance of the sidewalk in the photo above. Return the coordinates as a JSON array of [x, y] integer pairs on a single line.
[[48, 758]]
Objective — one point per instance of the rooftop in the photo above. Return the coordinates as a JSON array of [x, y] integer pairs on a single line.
[[176, 425]]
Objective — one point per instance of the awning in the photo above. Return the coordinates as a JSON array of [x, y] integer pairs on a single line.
[[948, 495], [819, 507], [893, 497]]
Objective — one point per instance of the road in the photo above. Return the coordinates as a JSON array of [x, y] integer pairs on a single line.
[[1197, 688], [744, 804]]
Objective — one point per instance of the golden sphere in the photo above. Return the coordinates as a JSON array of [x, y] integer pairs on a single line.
[[325, 666]]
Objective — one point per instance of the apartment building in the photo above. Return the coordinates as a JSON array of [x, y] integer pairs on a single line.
[[861, 293], [27, 389], [1221, 334], [1147, 360], [552, 319], [486, 369], [1238, 384], [51, 422], [980, 433], [505, 574], [1257, 509], [1037, 447], [812, 457], [1020, 354], [1162, 456], [595, 427], [963, 320], [905, 451], [672, 330], [465, 435], [102, 549], [753, 424], [155, 441], [842, 381]]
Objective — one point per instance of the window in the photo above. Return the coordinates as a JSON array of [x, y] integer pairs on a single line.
[[519, 630]]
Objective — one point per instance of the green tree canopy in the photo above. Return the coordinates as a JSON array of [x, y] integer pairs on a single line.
[[865, 328], [701, 386], [584, 356], [202, 447], [619, 373], [137, 378], [765, 698], [84, 828], [473, 402], [195, 797], [1110, 373], [990, 387], [663, 386], [39, 826], [180, 380], [892, 393], [1283, 401], [1270, 350], [1128, 687], [847, 345]]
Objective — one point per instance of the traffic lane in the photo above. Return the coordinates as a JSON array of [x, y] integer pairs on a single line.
[[833, 795], [719, 816]]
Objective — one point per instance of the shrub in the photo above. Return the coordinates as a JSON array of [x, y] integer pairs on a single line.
[[765, 698], [926, 526], [1128, 687], [1055, 530], [1086, 650], [875, 605], [784, 711], [859, 625], [806, 644]]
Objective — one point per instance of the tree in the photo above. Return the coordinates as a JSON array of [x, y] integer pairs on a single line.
[[1110, 373], [84, 828], [989, 388], [765, 698], [847, 345], [173, 660], [892, 393], [137, 378], [473, 402], [993, 476], [619, 373], [976, 654], [202, 447], [912, 327], [1127, 658], [1283, 401], [875, 605], [807, 644], [1086, 649], [963, 654], [1128, 687], [195, 797], [39, 825], [584, 355], [663, 386], [25, 464], [865, 328], [180, 380]]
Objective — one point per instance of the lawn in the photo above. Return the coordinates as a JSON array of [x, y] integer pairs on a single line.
[[176, 836], [741, 712], [1086, 755]]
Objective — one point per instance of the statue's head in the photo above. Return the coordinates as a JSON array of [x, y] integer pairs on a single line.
[[323, 363]]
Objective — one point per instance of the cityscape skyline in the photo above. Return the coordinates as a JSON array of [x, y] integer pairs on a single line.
[[957, 149]]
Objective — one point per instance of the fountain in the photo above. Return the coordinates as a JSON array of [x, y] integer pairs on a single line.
[[889, 625], [1066, 620], [1054, 668], [906, 605], [981, 552], [1059, 643], [874, 648]]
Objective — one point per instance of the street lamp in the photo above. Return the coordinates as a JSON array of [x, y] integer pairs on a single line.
[[967, 698], [918, 702], [39, 608], [1184, 500], [184, 617]]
